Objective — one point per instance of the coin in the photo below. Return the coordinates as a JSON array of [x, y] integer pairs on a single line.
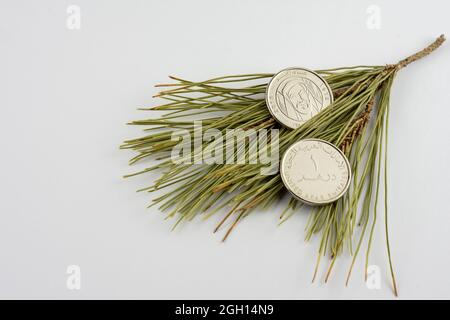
[[295, 95], [315, 171]]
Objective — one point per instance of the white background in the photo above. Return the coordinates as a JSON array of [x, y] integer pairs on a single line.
[[65, 96]]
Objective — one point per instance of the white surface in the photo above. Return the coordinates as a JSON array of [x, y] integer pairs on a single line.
[[65, 98]]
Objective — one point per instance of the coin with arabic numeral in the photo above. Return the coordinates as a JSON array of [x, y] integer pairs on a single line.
[[295, 95], [315, 171]]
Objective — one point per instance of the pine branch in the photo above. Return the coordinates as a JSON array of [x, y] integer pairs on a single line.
[[237, 102]]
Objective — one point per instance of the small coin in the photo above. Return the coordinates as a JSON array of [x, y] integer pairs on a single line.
[[315, 171], [295, 95]]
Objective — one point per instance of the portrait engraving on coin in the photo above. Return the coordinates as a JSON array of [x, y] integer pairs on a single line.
[[315, 171], [295, 95]]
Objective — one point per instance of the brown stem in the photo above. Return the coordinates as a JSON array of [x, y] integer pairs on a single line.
[[363, 118], [422, 53]]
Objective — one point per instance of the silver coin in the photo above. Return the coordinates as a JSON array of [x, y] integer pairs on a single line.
[[295, 95], [315, 171]]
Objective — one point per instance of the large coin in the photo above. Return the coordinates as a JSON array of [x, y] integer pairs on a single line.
[[315, 171], [295, 95]]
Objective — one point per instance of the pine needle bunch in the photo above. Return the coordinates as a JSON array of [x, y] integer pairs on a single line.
[[361, 93]]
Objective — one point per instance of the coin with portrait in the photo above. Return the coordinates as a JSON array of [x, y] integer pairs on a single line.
[[295, 95]]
